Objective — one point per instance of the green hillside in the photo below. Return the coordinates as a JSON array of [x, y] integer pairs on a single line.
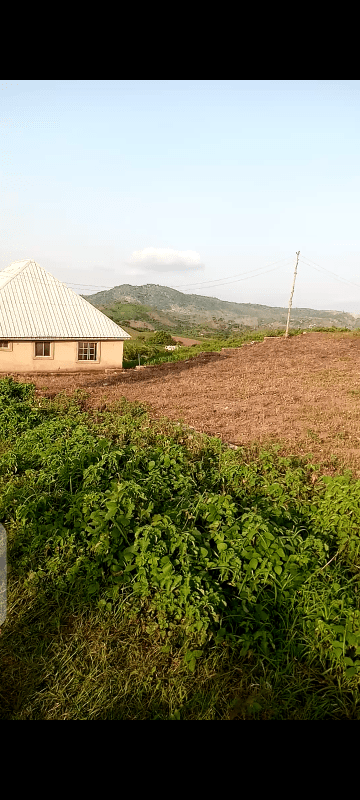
[[163, 308]]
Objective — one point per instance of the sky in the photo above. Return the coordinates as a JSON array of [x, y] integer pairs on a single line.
[[208, 187]]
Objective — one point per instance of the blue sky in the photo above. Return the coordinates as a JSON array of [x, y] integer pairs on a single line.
[[188, 184]]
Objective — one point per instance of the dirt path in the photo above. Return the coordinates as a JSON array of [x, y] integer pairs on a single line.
[[303, 391]]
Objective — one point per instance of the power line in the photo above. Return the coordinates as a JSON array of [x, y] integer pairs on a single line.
[[312, 263], [343, 280], [201, 283], [87, 285], [228, 281], [259, 275], [222, 282]]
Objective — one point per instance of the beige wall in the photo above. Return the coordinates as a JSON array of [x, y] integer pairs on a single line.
[[63, 357]]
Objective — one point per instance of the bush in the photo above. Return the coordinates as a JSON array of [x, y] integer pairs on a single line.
[[134, 349], [241, 551]]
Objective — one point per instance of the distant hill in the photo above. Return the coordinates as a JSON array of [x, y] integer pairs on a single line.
[[162, 307]]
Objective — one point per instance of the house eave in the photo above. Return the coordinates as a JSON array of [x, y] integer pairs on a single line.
[[65, 338]]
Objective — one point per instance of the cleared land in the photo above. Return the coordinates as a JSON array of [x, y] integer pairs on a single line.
[[302, 392]]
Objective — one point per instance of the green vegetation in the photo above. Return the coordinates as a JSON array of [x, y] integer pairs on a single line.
[[162, 338], [125, 311], [154, 304], [136, 348], [156, 574], [151, 351]]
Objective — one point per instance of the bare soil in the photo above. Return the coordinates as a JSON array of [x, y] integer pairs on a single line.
[[185, 341], [302, 392]]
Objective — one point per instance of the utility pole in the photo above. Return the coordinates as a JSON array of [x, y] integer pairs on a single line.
[[291, 296]]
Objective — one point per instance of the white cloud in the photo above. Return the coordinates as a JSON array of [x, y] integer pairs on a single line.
[[164, 259]]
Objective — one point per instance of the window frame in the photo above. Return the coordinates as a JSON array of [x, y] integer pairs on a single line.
[[51, 348], [6, 349], [97, 351]]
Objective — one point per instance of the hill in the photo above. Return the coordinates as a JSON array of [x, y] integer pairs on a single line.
[[152, 306]]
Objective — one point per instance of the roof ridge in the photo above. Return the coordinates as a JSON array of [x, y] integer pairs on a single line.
[[54, 309], [16, 273]]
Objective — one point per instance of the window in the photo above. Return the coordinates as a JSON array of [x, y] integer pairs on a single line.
[[42, 348], [87, 351], [4, 345]]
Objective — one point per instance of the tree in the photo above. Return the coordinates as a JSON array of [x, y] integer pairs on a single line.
[[134, 349], [161, 338]]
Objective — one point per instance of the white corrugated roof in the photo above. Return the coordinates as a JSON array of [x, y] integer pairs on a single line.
[[35, 305]]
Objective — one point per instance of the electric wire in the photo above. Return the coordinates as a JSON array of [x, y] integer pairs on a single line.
[[200, 284], [311, 264]]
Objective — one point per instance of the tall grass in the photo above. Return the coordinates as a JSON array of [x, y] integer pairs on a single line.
[[153, 573]]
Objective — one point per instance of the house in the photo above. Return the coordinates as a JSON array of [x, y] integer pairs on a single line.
[[46, 327]]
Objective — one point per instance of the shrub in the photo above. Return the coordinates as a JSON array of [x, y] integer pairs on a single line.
[[225, 546]]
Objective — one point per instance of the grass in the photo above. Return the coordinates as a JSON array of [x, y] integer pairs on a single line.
[[158, 355], [150, 355], [155, 574]]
